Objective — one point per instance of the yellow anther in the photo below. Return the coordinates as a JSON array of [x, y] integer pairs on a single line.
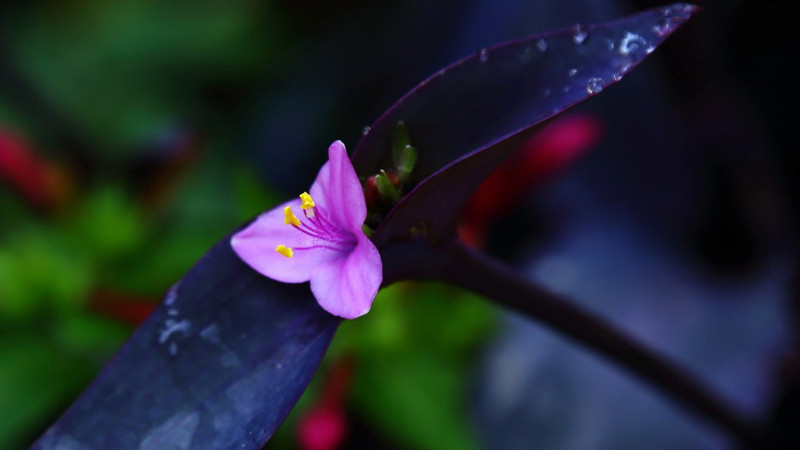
[[289, 217], [308, 202], [284, 250]]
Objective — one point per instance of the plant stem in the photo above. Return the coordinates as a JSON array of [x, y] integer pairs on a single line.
[[461, 266]]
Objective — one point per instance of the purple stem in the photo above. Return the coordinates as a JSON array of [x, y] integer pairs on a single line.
[[456, 264]]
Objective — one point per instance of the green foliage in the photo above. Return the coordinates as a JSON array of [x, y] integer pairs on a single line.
[[41, 270], [414, 352], [107, 223], [29, 392], [214, 198], [404, 154], [50, 268], [386, 188], [126, 70], [416, 399], [120, 74], [412, 355], [89, 337]]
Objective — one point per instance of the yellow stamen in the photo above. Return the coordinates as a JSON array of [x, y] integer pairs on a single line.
[[289, 217], [284, 250], [308, 202]]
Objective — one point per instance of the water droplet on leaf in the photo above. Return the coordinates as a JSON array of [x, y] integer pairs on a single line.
[[665, 26], [541, 44], [594, 86], [673, 15], [579, 34], [631, 43], [483, 55]]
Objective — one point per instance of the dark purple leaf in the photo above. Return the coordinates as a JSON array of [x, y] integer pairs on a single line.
[[463, 118], [225, 357], [218, 365]]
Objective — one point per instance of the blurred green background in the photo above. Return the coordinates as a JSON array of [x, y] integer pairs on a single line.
[[127, 135]]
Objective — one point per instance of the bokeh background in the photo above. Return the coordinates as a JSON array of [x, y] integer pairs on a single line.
[[134, 135]]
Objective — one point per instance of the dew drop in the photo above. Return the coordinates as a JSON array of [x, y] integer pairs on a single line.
[[579, 34], [617, 76], [172, 326], [676, 9], [631, 43], [483, 55], [572, 72], [365, 130], [541, 44], [673, 16], [665, 26], [594, 86], [172, 294]]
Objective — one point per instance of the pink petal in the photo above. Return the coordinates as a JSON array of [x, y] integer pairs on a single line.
[[338, 190], [345, 287], [256, 246]]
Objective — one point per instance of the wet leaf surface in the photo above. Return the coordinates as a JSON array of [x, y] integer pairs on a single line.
[[468, 118], [224, 359], [218, 365]]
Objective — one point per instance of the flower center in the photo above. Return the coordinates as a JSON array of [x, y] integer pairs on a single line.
[[325, 233]]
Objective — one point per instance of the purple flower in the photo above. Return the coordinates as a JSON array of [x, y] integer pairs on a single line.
[[326, 245]]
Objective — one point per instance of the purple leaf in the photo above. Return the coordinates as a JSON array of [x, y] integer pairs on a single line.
[[466, 119], [218, 365], [223, 360]]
